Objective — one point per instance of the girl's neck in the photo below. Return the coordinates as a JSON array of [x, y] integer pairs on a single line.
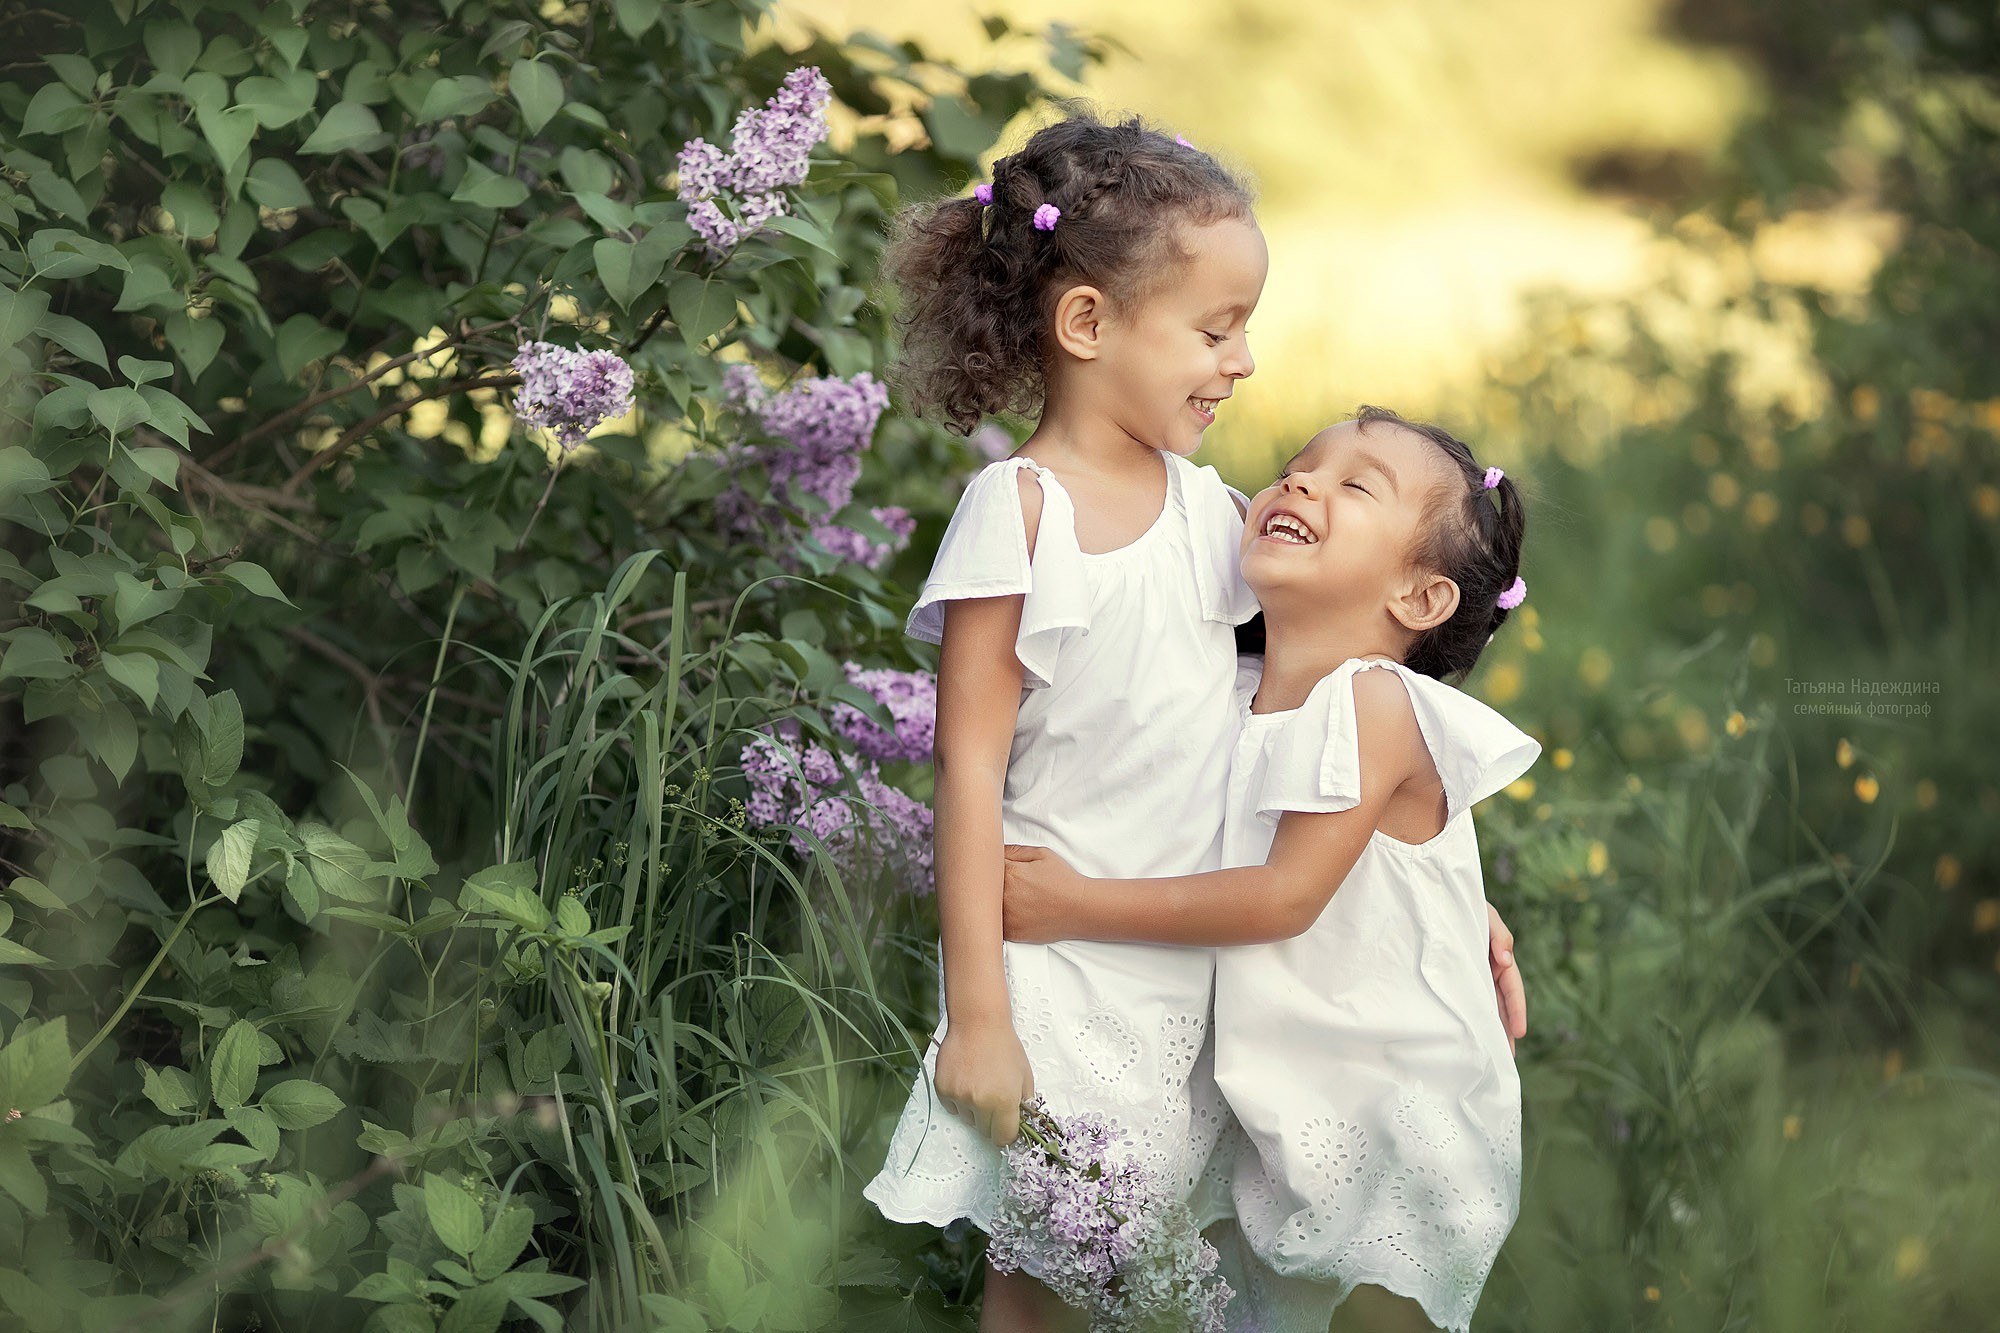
[[1301, 652], [1088, 442]]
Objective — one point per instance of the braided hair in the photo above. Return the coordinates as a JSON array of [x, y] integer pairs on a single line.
[[1465, 536], [979, 281]]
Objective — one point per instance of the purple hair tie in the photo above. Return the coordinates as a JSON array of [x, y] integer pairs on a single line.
[[1514, 596], [1045, 217], [1493, 475], [983, 192], [1182, 142]]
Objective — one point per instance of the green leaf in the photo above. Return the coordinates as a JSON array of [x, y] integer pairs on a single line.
[[195, 341], [254, 577], [173, 46], [34, 1066], [487, 188], [12, 953], [228, 131], [194, 212], [273, 183], [136, 671], [538, 89], [701, 307], [345, 125], [22, 1179], [280, 100], [229, 857], [454, 1214], [303, 340], [504, 1242], [21, 473], [457, 96], [259, 1130], [134, 602], [119, 409], [74, 337], [478, 1310], [54, 109], [339, 868], [626, 269], [299, 1103], [144, 372], [171, 1089], [232, 1070], [222, 738]]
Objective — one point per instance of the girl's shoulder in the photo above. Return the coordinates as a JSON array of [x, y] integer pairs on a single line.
[[1313, 759]]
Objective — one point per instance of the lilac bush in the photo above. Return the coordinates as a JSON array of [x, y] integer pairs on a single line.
[[570, 392], [731, 195], [817, 429], [1106, 1232], [869, 829]]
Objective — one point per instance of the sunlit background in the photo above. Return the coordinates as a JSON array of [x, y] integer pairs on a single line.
[[1421, 168]]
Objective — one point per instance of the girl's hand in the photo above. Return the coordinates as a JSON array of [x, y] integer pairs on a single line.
[[983, 1076], [1506, 977], [1038, 884]]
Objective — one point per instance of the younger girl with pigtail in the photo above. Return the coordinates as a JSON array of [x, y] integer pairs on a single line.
[[1373, 1143], [1084, 599]]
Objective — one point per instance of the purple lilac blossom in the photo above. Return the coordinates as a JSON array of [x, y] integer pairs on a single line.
[[1106, 1232], [570, 392], [730, 195], [910, 697], [881, 829], [819, 427], [849, 544]]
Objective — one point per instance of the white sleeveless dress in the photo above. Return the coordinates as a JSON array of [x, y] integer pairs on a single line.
[[1375, 1128], [1120, 764]]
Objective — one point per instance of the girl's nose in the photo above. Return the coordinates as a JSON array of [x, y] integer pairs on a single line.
[[1299, 482], [1241, 364]]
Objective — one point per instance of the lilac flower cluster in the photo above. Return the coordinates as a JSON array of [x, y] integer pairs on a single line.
[[769, 149], [849, 544], [869, 827], [570, 392], [910, 697], [819, 427], [1106, 1232]]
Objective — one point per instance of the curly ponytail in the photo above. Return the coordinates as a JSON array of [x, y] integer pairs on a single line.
[[978, 282]]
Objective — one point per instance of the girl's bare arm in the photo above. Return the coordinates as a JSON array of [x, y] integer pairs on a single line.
[[1310, 856]]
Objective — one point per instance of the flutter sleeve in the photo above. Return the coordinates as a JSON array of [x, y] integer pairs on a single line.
[[1216, 526], [1314, 763], [985, 554]]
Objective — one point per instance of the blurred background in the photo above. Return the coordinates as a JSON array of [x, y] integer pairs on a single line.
[[1717, 284]]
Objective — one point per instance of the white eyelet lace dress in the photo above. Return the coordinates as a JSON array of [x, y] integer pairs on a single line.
[[1375, 1134], [1120, 764]]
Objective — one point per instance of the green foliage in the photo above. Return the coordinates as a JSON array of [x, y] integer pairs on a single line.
[[385, 940]]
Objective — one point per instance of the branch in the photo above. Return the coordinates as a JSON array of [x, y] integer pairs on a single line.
[[300, 409], [396, 409]]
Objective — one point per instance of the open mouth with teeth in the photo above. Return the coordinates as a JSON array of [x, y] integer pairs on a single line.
[[1283, 527], [1204, 408]]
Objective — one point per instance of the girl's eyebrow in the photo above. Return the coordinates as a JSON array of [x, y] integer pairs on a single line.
[[1370, 460]]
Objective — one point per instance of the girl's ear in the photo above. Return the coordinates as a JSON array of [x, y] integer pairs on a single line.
[[1080, 315], [1430, 602]]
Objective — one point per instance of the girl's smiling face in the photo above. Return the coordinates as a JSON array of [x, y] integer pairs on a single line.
[[1338, 524], [1165, 364]]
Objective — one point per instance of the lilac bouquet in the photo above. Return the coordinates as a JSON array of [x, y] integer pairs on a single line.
[[1108, 1235]]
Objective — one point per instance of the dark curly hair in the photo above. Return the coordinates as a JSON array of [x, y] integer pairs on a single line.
[[978, 283], [1470, 539]]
